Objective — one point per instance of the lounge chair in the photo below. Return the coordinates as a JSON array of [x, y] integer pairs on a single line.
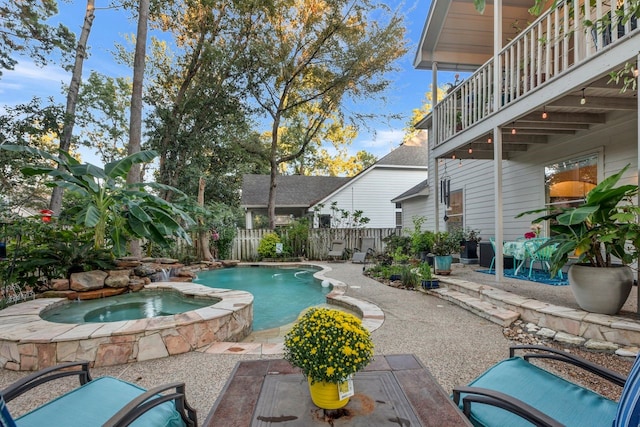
[[516, 392], [104, 401], [365, 249], [336, 251]]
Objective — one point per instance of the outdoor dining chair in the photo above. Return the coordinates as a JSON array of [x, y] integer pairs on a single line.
[[517, 392], [537, 252], [104, 401]]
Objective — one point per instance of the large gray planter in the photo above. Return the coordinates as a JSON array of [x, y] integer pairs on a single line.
[[600, 290]]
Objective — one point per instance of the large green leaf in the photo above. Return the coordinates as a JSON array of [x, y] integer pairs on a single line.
[[136, 211], [31, 150], [577, 215], [90, 216], [120, 168]]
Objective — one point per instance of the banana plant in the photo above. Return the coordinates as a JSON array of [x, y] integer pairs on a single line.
[[115, 210]]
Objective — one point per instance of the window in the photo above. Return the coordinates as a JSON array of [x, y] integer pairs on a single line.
[[398, 215], [324, 221], [568, 182], [455, 211]]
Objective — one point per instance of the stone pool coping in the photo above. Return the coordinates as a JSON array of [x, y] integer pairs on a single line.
[[27, 342]]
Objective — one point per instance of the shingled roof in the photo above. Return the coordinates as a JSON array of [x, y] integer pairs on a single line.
[[421, 189], [405, 155], [291, 191]]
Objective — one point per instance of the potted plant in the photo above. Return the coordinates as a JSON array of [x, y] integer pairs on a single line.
[[469, 244], [329, 346], [604, 234], [428, 282], [444, 244], [421, 241]]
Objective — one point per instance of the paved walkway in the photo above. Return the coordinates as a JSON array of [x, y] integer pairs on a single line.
[[453, 343]]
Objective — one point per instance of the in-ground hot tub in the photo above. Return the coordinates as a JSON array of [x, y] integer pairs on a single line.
[[28, 342]]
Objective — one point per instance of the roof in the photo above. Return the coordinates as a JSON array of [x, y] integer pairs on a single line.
[[405, 155], [420, 189], [291, 190]]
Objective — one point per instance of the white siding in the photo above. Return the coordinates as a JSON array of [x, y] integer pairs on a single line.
[[372, 193], [414, 207], [523, 176]]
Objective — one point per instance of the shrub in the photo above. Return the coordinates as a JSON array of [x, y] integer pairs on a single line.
[[267, 246]]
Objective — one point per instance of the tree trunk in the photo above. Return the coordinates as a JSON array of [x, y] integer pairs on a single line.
[[72, 97], [203, 251], [135, 122]]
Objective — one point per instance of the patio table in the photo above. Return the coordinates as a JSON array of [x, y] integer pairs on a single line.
[[392, 390], [518, 251]]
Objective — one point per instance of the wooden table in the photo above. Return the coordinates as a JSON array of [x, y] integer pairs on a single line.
[[394, 390]]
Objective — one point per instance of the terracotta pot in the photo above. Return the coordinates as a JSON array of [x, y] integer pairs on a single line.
[[325, 395], [601, 290]]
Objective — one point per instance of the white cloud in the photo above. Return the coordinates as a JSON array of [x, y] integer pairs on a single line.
[[379, 143], [28, 80], [26, 70]]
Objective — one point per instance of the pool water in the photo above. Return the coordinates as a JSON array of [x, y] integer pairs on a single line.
[[138, 305], [279, 294]]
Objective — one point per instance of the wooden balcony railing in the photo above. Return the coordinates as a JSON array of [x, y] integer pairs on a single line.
[[557, 41]]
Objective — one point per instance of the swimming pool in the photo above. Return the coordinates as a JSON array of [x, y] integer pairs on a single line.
[[280, 294], [131, 306]]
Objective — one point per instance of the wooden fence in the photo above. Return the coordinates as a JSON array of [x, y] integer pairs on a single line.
[[245, 244]]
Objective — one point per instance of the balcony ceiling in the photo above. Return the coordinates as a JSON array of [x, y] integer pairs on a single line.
[[566, 115], [458, 38]]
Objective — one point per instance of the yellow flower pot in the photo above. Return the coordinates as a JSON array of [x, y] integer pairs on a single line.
[[325, 395]]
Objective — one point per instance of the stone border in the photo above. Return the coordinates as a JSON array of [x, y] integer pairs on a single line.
[[27, 342]]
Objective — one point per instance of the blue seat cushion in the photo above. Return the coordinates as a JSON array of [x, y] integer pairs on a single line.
[[628, 414], [563, 400], [94, 403], [5, 417]]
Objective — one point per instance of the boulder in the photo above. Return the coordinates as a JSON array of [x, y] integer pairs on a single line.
[[117, 279], [127, 264], [100, 293], [166, 260], [60, 285], [56, 294], [88, 280], [230, 262], [144, 270]]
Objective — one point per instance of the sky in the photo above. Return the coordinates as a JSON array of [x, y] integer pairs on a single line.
[[110, 25]]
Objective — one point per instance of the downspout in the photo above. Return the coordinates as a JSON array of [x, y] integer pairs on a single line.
[[497, 138], [434, 131]]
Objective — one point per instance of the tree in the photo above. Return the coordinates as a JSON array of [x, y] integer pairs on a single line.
[[72, 96], [314, 57], [199, 124], [23, 31], [102, 112]]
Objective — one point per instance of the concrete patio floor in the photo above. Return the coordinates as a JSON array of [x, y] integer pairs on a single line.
[[453, 343]]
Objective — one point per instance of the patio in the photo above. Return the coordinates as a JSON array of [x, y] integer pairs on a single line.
[[444, 337]]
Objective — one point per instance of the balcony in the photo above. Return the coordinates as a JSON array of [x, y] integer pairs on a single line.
[[551, 48]]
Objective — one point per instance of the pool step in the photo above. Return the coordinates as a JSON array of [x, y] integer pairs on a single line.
[[484, 309]]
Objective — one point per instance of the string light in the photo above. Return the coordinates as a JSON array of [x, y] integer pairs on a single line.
[[453, 157], [513, 128], [470, 150], [635, 72], [545, 116], [584, 98], [460, 164], [489, 140]]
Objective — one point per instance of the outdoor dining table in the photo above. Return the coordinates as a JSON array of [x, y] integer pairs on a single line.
[[518, 251], [524, 250], [395, 390]]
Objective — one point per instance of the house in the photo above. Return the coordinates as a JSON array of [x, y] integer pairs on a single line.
[[370, 191], [537, 121], [294, 195]]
